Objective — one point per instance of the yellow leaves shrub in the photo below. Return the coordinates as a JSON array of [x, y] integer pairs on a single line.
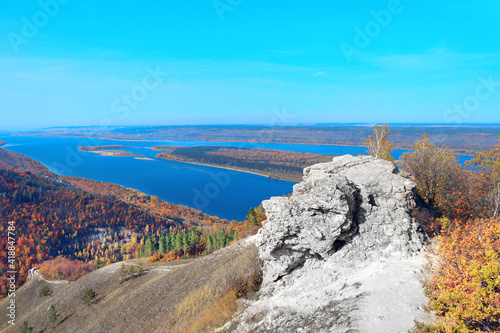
[[464, 287]]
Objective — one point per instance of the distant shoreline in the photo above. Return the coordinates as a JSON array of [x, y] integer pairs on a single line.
[[346, 144]]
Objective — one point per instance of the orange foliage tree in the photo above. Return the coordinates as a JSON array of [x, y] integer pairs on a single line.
[[65, 269]]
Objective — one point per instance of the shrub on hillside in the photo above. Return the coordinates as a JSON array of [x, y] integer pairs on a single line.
[[155, 257], [26, 328], [429, 223], [88, 296], [464, 285], [132, 272], [45, 291], [65, 269]]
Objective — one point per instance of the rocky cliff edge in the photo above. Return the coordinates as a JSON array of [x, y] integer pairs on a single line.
[[341, 254]]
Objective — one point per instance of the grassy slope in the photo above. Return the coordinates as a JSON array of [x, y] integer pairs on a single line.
[[145, 304]]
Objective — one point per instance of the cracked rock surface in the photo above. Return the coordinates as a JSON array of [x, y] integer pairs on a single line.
[[341, 254]]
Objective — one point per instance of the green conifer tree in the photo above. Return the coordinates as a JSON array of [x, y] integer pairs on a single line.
[[88, 296], [53, 315], [122, 274], [161, 245]]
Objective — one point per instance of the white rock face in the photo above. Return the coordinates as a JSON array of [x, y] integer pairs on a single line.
[[342, 254]]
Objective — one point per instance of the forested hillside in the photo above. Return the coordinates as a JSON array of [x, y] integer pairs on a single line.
[[149, 203], [269, 162], [12, 160], [54, 219]]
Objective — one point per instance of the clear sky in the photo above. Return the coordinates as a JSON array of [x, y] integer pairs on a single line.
[[86, 62]]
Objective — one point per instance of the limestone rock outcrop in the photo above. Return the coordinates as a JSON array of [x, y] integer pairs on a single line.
[[341, 254]]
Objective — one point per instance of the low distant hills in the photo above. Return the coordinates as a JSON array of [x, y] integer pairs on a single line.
[[464, 139]]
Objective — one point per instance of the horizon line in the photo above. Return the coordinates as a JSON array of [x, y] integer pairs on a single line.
[[369, 124]]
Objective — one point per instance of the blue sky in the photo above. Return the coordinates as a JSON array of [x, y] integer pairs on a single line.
[[238, 61]]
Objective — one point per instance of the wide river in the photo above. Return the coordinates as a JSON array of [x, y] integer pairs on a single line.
[[225, 193]]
